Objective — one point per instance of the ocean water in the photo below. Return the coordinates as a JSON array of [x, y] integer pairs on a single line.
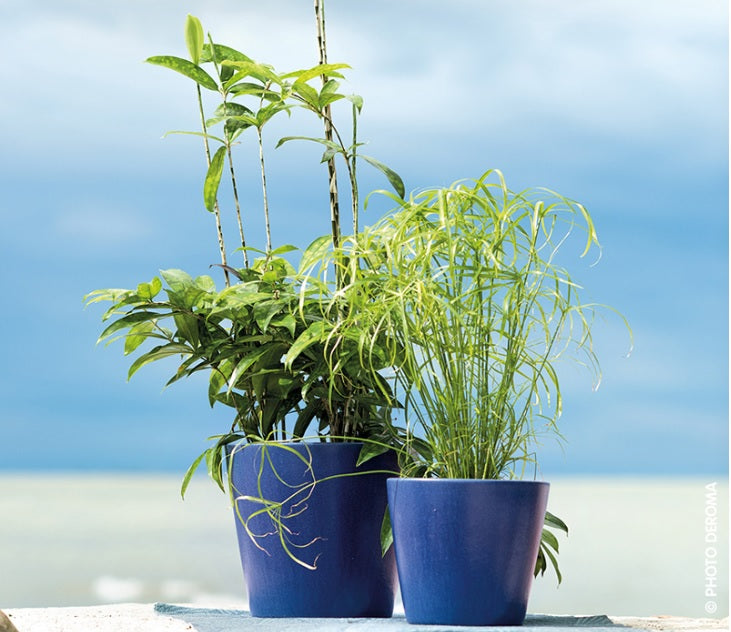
[[636, 546]]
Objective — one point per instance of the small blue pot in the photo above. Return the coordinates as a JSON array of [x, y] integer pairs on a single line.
[[466, 549], [334, 525]]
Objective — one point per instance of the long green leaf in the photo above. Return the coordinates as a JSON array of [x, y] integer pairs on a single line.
[[185, 67], [158, 353], [128, 321], [213, 179], [189, 474], [328, 70], [306, 339], [393, 178]]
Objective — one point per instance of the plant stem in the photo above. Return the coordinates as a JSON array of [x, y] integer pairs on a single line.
[[264, 191], [238, 206], [332, 172], [217, 210], [351, 171]]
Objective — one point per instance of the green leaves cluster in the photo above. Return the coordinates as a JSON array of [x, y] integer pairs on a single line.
[[459, 292], [462, 286], [259, 340], [250, 95]]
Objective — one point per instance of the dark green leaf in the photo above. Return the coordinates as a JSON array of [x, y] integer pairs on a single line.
[[555, 522], [158, 353], [370, 451], [394, 179], [128, 321]]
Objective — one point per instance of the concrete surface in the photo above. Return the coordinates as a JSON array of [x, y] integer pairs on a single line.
[[169, 618]]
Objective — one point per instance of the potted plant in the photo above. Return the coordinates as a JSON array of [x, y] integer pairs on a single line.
[[308, 514], [463, 290]]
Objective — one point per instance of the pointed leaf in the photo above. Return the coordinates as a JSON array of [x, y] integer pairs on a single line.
[[301, 76], [190, 472], [306, 339], [554, 521], [194, 38], [356, 100], [128, 321], [213, 179], [158, 353], [185, 67], [386, 533], [222, 53], [394, 179], [137, 335]]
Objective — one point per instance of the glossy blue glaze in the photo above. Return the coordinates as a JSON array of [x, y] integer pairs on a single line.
[[340, 518], [466, 549]]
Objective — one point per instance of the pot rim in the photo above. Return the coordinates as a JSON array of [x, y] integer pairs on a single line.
[[466, 481]]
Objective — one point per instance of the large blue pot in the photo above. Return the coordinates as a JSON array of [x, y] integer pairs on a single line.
[[466, 549], [334, 525]]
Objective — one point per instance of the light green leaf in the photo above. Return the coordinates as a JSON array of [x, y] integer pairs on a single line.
[[328, 143], [185, 67], [222, 53], [306, 339], [315, 253], [262, 72], [137, 335], [194, 38], [190, 472], [386, 533], [282, 250], [213, 179], [302, 76], [356, 100]]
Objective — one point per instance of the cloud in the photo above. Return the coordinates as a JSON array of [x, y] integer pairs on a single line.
[[616, 68]]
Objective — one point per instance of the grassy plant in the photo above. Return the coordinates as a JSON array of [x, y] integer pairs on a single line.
[[463, 287]]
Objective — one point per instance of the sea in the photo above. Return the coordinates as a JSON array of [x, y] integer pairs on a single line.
[[636, 546]]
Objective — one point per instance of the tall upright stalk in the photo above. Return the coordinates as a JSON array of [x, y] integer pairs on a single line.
[[234, 187], [237, 205], [327, 118], [264, 190], [217, 209]]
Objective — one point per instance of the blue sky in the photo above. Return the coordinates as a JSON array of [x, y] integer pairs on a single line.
[[618, 104]]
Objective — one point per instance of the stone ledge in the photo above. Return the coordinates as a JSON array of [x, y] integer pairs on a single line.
[[149, 618]]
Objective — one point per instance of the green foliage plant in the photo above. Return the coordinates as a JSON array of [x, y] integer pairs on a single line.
[[462, 290], [258, 337]]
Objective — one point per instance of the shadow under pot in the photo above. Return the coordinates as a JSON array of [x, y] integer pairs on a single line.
[[330, 518], [466, 549]]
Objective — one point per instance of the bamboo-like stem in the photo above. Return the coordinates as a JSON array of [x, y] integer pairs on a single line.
[[237, 205], [264, 190], [327, 118], [216, 208], [351, 171]]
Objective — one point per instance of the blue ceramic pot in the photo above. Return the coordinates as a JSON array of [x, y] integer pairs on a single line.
[[466, 549], [338, 521]]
